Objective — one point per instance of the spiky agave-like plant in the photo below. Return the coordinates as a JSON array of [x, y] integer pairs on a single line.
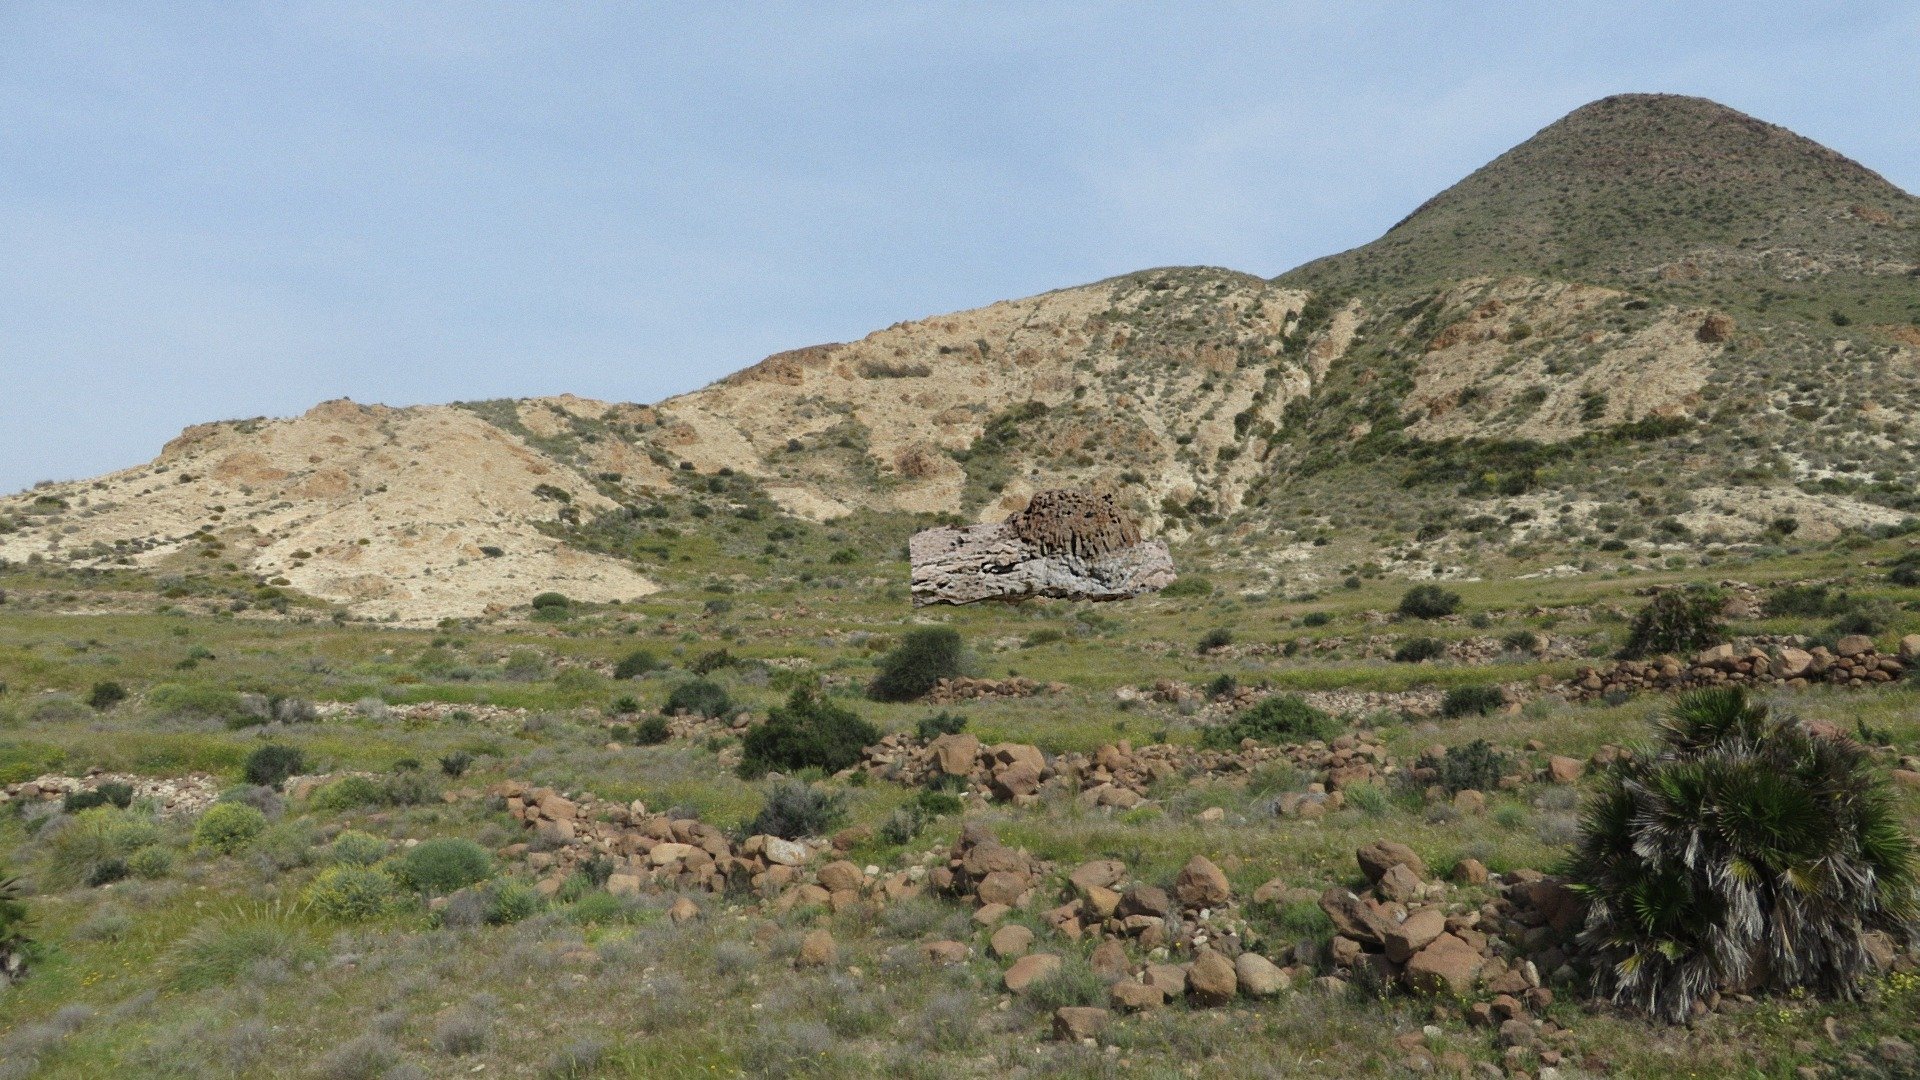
[[1744, 851]]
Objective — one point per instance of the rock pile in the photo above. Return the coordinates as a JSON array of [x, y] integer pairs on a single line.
[[1402, 931], [965, 689], [1853, 661], [1116, 775], [658, 853], [175, 795]]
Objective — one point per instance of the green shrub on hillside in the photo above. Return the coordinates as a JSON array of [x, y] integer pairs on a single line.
[[1218, 638], [195, 702], [1676, 621], [228, 827], [917, 664], [445, 864], [1428, 602], [1473, 700], [105, 695], [932, 727], [635, 664], [1188, 585], [701, 698], [1419, 650], [270, 765], [92, 847], [794, 810], [807, 732], [1281, 718], [1476, 765], [350, 892], [1745, 850]]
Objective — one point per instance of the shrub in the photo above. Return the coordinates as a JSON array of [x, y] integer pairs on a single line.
[[1190, 585], [442, 865], [270, 765], [511, 901], [151, 863], [1805, 600], [92, 848], [16, 944], [1316, 618], [1420, 649], [1073, 983], [1428, 602], [1906, 570], [807, 732], [700, 697], [1473, 700], [1745, 849], [1676, 621], [350, 892], [111, 793], [709, 662], [1281, 718], [228, 827], [917, 664], [635, 664], [1477, 765], [1521, 641], [204, 703], [651, 731], [355, 848], [794, 810], [347, 793], [1218, 638], [547, 601], [524, 665], [455, 763], [941, 723], [105, 695]]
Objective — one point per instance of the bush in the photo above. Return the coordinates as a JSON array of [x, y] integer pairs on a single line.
[[203, 703], [150, 863], [700, 697], [1477, 765], [1745, 850], [111, 793], [1420, 649], [1521, 641], [455, 763], [1805, 600], [1428, 602], [511, 901], [524, 665], [93, 847], [917, 664], [1316, 618], [347, 793], [807, 732], [228, 827], [635, 664], [941, 723], [105, 695], [350, 892], [1218, 638], [651, 731], [1676, 621], [548, 601], [1190, 585], [794, 810], [1905, 570], [1474, 700], [270, 765], [16, 944], [355, 848], [709, 662], [444, 865], [1281, 718]]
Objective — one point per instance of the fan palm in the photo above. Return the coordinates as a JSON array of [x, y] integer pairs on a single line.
[[1743, 851]]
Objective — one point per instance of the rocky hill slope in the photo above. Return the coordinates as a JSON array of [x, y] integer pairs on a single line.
[[1657, 328]]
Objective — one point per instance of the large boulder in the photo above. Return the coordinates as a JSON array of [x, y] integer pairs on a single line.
[[1201, 884], [1377, 858]]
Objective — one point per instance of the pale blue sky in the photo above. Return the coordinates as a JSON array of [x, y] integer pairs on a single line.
[[227, 209]]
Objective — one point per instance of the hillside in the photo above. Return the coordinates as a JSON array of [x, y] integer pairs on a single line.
[[1511, 381]]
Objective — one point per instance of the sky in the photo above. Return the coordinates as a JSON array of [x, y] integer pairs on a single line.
[[229, 209]]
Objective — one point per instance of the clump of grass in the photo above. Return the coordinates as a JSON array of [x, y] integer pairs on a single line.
[[445, 864], [219, 950]]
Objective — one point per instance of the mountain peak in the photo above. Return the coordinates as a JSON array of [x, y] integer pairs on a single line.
[[1621, 189]]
